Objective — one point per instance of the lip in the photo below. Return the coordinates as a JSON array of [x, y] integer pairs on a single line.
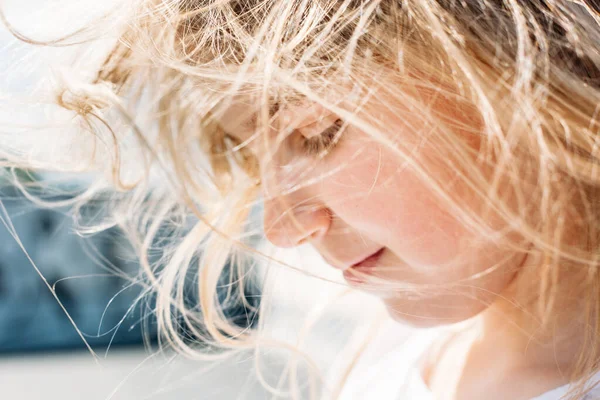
[[363, 266], [365, 262], [370, 261]]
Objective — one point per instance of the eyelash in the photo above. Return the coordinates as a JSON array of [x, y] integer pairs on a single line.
[[323, 143]]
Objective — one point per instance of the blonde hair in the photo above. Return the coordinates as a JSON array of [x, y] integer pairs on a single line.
[[529, 70]]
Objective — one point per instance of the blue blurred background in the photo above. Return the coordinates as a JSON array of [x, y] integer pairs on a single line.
[[94, 278], [41, 353], [97, 280]]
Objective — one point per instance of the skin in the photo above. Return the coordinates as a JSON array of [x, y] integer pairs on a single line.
[[362, 197], [374, 200]]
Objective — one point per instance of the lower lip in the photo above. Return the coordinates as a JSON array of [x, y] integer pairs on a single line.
[[363, 267]]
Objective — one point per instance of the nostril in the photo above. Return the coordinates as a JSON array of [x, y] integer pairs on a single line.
[[295, 226], [317, 234]]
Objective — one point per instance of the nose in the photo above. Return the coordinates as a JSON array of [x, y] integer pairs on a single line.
[[289, 225]]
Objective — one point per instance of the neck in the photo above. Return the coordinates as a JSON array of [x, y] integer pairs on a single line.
[[510, 346], [517, 326]]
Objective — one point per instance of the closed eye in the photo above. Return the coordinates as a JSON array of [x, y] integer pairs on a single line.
[[323, 143]]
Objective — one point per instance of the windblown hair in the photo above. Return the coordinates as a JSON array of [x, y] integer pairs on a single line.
[[529, 70]]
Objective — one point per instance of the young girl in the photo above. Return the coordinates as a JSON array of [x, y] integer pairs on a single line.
[[442, 155]]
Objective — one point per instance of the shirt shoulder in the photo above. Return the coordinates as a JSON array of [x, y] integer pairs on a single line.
[[388, 370], [559, 393]]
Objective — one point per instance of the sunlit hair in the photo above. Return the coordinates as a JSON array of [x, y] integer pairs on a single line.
[[528, 70]]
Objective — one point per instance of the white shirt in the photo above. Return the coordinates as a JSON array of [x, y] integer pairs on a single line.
[[389, 370]]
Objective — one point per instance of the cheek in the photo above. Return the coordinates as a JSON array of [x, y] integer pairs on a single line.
[[383, 199], [427, 245]]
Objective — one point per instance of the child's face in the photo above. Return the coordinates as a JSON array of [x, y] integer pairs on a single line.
[[361, 200]]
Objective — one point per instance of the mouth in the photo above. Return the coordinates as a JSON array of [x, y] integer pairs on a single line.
[[370, 261], [363, 266]]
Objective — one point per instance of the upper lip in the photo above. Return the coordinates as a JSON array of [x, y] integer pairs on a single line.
[[344, 265]]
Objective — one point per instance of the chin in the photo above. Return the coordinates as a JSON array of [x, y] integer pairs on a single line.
[[430, 313]]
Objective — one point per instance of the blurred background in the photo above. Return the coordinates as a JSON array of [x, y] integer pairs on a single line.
[[93, 277], [42, 354]]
